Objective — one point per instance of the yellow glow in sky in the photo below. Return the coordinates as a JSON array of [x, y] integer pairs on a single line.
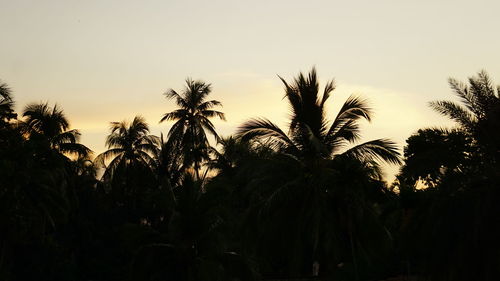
[[106, 61]]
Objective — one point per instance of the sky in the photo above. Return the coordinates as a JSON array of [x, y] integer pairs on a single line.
[[104, 61]]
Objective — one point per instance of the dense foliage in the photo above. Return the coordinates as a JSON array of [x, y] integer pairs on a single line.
[[266, 203]]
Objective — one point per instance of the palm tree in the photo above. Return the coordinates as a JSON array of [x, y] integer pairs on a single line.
[[317, 179], [462, 164], [479, 113], [471, 148], [195, 246], [129, 144], [191, 121], [51, 124], [6, 104], [310, 135]]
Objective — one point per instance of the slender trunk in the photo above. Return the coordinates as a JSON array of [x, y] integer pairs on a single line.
[[354, 261], [315, 268], [194, 151], [197, 170], [2, 255]]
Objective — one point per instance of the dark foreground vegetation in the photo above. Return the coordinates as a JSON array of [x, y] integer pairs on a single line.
[[306, 201]]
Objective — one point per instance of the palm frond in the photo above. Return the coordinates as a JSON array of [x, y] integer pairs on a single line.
[[375, 150], [148, 161], [454, 111], [346, 133], [112, 153], [75, 148], [213, 113], [208, 105], [116, 140], [71, 136], [306, 106], [354, 108], [119, 128], [177, 130], [111, 167], [179, 100], [484, 92], [468, 99], [151, 140], [35, 114], [206, 124], [6, 103], [329, 87], [59, 118], [175, 115], [316, 145], [345, 127], [148, 148], [139, 125], [294, 99], [5, 92], [260, 128], [41, 119], [195, 92]]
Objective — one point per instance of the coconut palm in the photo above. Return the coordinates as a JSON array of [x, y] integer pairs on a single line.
[[196, 246], [129, 144], [6, 104], [51, 124], [318, 180], [192, 120], [310, 135]]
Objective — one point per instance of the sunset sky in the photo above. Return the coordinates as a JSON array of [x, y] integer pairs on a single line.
[[105, 61]]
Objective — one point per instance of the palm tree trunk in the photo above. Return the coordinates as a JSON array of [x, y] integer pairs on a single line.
[[354, 261], [195, 146], [315, 269], [2, 255], [197, 170]]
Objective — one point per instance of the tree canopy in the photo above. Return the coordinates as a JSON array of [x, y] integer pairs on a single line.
[[305, 202]]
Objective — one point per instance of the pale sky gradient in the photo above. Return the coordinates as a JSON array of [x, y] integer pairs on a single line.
[[107, 61]]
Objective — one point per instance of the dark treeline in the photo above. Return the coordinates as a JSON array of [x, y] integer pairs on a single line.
[[268, 203]]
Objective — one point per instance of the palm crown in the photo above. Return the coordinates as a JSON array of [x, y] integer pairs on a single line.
[[52, 124], [311, 135], [129, 144], [6, 103], [479, 111], [191, 120]]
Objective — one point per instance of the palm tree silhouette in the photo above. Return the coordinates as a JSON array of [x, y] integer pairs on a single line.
[[6, 104], [431, 154], [129, 144], [316, 170], [479, 111], [461, 164], [310, 135], [50, 123], [191, 120]]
